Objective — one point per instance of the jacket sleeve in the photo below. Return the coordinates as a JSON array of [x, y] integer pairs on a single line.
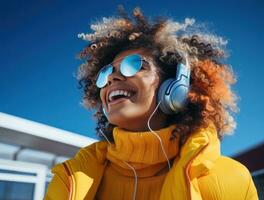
[[58, 188], [251, 192]]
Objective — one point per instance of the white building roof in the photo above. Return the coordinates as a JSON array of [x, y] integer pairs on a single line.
[[28, 134]]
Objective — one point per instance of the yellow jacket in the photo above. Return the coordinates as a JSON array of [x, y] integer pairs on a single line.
[[198, 172]]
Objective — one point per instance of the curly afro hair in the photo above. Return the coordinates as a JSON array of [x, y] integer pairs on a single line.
[[210, 99]]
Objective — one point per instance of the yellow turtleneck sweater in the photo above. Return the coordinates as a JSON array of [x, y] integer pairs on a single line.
[[143, 152]]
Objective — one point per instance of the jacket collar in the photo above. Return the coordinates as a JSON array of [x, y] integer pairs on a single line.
[[197, 157]]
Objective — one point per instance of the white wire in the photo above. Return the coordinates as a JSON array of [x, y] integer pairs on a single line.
[[152, 131], [105, 137], [136, 180], [133, 169]]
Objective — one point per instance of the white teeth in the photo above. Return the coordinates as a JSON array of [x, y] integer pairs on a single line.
[[118, 92]]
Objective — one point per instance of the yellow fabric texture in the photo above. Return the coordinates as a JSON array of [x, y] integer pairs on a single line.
[[143, 151], [198, 171]]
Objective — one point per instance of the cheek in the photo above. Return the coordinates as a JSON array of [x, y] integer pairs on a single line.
[[149, 86], [102, 97]]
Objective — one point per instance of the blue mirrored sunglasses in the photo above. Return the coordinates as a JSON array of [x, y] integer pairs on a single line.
[[129, 66]]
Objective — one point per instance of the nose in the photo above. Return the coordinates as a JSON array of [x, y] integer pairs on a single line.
[[115, 76]]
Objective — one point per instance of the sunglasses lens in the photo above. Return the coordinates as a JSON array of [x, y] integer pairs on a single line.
[[130, 65], [103, 76]]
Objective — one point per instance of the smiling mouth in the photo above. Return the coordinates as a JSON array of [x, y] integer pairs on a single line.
[[119, 95]]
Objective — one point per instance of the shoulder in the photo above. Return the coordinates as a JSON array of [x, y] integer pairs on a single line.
[[229, 170], [232, 170], [96, 151], [228, 178], [231, 164], [85, 167], [93, 154]]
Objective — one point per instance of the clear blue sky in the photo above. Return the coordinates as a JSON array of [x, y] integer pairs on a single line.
[[38, 45]]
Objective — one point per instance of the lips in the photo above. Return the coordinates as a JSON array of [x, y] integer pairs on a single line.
[[116, 101], [118, 94]]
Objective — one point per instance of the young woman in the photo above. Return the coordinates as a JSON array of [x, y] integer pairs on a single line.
[[164, 101]]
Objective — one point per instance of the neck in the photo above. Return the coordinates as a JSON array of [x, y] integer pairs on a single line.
[[158, 121]]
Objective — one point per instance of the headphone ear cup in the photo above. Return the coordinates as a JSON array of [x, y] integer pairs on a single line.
[[173, 95], [173, 92], [163, 98]]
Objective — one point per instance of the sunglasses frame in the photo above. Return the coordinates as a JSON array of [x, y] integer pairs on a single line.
[[110, 65]]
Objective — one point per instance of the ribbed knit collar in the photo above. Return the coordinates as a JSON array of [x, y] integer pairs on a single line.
[[142, 148]]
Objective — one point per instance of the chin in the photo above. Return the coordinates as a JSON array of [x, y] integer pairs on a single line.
[[119, 118], [124, 117]]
